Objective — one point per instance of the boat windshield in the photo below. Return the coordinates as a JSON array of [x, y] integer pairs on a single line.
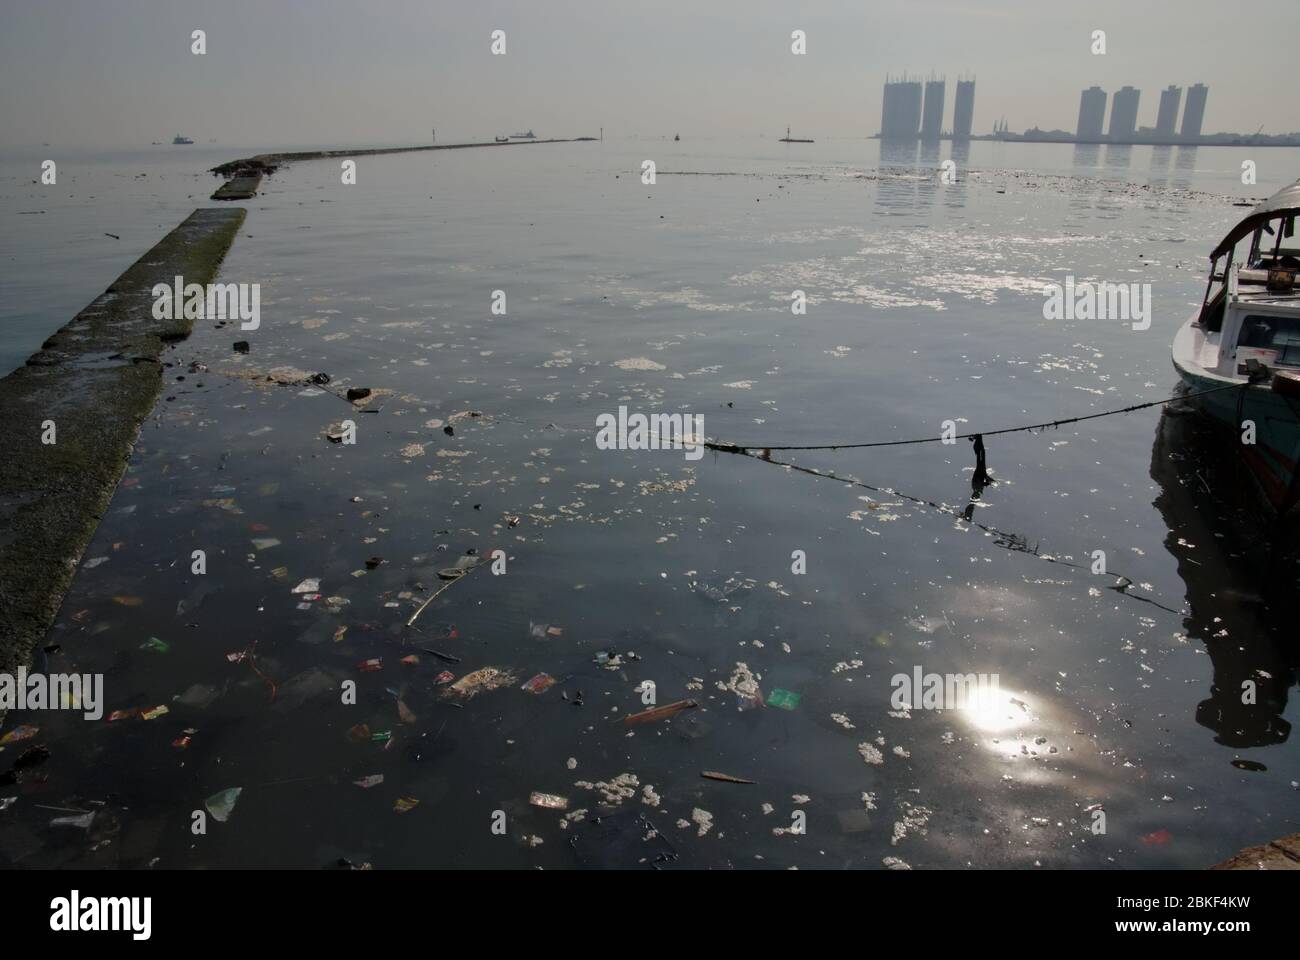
[[1276, 240]]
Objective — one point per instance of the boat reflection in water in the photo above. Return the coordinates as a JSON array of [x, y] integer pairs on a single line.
[[1242, 577]]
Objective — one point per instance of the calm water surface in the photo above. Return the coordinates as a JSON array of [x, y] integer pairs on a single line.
[[925, 305]]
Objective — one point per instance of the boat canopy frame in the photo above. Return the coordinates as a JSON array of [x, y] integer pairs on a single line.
[[1283, 206], [1284, 203]]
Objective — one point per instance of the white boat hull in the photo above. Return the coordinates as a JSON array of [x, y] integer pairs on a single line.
[[1272, 458]]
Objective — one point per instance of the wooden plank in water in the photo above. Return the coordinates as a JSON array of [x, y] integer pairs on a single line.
[[660, 713]]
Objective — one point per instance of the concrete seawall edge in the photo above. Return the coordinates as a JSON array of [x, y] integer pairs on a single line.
[[94, 382]]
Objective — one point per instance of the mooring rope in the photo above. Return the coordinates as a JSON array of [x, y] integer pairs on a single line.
[[745, 447], [1001, 538]]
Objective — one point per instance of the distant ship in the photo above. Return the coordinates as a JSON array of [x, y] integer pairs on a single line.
[[524, 136], [178, 139], [789, 139], [677, 136], [501, 139]]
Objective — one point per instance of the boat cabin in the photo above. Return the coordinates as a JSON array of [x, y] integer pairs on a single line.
[[1251, 310]]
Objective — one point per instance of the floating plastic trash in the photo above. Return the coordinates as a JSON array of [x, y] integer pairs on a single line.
[[222, 804], [785, 699]]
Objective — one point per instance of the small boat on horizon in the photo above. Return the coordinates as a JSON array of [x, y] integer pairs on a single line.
[[677, 136], [501, 139], [1246, 334], [789, 139], [178, 139]]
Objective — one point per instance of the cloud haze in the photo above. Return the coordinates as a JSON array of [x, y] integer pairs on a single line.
[[120, 73]]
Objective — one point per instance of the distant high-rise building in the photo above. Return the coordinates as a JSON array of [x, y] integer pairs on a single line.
[[1194, 112], [963, 113], [1124, 114], [1167, 118], [1092, 114], [932, 117], [900, 117]]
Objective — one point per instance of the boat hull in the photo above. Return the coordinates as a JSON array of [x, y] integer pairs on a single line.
[[1272, 458]]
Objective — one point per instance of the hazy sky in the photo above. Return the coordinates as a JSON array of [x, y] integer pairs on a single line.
[[120, 72]]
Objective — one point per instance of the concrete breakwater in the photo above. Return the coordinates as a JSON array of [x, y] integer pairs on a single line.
[[1281, 854], [265, 164], [76, 406], [242, 187], [73, 413]]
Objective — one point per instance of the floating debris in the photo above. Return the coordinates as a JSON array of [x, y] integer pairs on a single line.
[[624, 839], [487, 678], [221, 805], [539, 683], [639, 363], [24, 731], [870, 754], [660, 713], [724, 777], [550, 801], [914, 820], [615, 791], [744, 684], [784, 699]]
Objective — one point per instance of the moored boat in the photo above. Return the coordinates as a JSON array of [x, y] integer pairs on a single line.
[[1246, 334]]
